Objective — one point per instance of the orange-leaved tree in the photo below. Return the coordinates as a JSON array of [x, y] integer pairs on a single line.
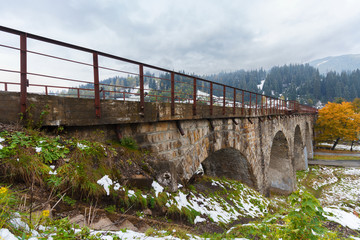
[[337, 121]]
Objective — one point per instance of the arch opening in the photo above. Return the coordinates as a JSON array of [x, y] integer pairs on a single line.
[[280, 174], [300, 157], [229, 163]]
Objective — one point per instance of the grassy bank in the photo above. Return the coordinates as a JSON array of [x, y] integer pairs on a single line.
[[47, 179]]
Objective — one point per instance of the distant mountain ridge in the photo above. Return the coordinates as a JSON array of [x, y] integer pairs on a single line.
[[348, 62]]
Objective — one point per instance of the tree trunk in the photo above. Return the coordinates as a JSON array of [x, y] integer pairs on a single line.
[[335, 143], [352, 143]]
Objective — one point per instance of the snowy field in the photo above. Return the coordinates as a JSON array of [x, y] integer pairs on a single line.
[[341, 146], [339, 193]]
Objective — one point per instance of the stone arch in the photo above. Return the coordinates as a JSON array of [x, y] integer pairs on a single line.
[[299, 160], [229, 163], [280, 173], [308, 142]]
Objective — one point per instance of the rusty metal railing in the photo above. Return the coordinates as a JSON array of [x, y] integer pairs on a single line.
[[167, 86]]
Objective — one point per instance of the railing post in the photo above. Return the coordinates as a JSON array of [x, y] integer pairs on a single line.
[[224, 101], [46, 90], [256, 105], [96, 84], [194, 97], [234, 107], [283, 107], [142, 96], [211, 98], [250, 104], [273, 106], [23, 73], [242, 102], [172, 93], [6, 88], [266, 111]]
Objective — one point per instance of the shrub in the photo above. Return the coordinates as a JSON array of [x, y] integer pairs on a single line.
[[129, 143], [7, 201]]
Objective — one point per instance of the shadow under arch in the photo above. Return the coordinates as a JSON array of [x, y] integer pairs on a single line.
[[280, 173], [229, 163], [299, 161]]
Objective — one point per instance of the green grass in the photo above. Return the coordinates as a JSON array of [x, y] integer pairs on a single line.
[[335, 157]]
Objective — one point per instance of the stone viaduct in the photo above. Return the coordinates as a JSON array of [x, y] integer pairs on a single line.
[[260, 149], [188, 122]]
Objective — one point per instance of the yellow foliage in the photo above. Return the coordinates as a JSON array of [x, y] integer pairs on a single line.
[[3, 190], [338, 121], [356, 105], [45, 213]]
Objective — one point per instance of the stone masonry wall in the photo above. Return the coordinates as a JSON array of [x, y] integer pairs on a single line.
[[253, 138]]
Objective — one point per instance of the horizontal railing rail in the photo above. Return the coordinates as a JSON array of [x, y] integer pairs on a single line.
[[142, 83]]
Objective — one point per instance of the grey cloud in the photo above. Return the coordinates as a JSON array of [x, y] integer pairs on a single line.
[[196, 36]]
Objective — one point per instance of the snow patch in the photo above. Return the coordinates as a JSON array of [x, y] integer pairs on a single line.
[[341, 146], [200, 170], [81, 146], [106, 182], [157, 187], [260, 86], [131, 193], [344, 218], [199, 219], [352, 171], [6, 234], [320, 63], [51, 172], [117, 186]]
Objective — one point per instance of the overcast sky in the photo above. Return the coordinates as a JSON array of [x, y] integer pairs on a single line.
[[200, 36]]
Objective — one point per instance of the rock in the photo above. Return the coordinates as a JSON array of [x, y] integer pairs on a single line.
[[143, 227], [78, 219], [105, 224], [140, 181], [128, 225], [147, 212], [166, 174]]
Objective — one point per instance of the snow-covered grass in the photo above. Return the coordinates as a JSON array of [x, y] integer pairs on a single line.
[[104, 235], [241, 201], [341, 146], [338, 190]]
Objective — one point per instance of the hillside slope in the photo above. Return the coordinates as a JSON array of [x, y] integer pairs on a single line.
[[338, 64]]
